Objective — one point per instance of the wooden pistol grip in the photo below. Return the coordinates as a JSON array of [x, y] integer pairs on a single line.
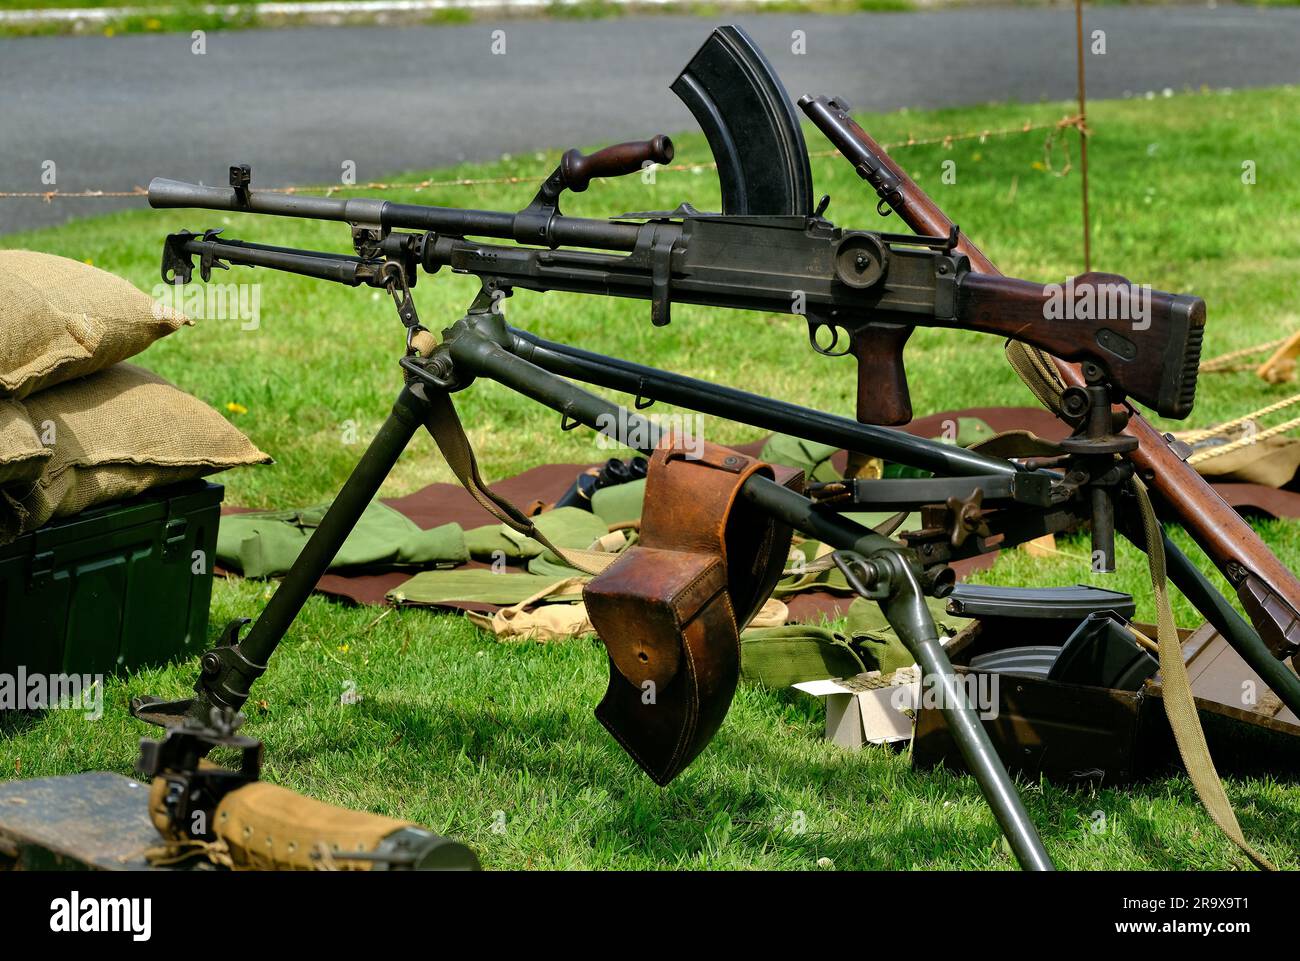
[[580, 170], [883, 397]]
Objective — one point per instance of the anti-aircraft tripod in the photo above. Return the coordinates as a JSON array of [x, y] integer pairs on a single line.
[[481, 345]]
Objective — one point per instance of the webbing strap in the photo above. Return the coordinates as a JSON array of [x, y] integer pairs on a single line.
[[1176, 692], [1039, 374], [444, 424]]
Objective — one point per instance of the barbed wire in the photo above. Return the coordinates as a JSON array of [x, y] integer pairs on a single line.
[[945, 140]]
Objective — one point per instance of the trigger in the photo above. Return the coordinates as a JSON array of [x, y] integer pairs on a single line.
[[814, 327]]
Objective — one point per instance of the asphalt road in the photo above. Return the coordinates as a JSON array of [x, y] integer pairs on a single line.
[[296, 104]]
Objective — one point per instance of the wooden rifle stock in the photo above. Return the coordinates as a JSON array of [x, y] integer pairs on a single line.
[[1268, 591], [1151, 340]]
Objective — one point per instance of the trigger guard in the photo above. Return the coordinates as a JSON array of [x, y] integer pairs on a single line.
[[829, 350]]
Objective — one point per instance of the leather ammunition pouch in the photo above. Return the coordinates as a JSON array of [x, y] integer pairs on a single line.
[[670, 609]]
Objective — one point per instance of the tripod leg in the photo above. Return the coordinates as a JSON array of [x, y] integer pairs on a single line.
[[893, 581], [229, 670], [904, 608]]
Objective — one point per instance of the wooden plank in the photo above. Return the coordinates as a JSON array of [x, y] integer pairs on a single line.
[[95, 821]]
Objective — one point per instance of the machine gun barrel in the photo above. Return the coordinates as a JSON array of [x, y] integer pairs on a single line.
[[552, 230]]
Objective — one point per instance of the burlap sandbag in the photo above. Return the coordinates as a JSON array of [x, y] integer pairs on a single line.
[[264, 827], [61, 319], [120, 432], [22, 455], [22, 459]]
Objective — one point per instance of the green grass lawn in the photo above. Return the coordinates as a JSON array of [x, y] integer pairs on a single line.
[[184, 16], [173, 16], [454, 727]]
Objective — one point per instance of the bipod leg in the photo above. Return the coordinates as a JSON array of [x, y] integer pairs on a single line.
[[229, 670]]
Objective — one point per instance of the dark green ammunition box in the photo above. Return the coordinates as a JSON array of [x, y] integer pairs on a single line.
[[118, 587]]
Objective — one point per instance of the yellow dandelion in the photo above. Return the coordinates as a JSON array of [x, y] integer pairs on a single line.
[[236, 408]]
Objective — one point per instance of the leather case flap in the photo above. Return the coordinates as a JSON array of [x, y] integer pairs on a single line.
[[642, 604]]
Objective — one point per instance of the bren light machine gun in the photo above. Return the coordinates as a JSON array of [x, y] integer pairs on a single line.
[[716, 527]]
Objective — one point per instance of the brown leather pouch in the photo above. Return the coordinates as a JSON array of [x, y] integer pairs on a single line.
[[671, 608]]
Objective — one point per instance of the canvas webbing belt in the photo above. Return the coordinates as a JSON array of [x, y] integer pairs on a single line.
[[1176, 693], [445, 426], [1036, 370], [264, 827], [1039, 374]]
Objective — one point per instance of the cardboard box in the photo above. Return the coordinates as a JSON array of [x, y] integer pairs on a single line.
[[860, 711]]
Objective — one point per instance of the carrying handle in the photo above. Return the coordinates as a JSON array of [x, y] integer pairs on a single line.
[[579, 170]]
